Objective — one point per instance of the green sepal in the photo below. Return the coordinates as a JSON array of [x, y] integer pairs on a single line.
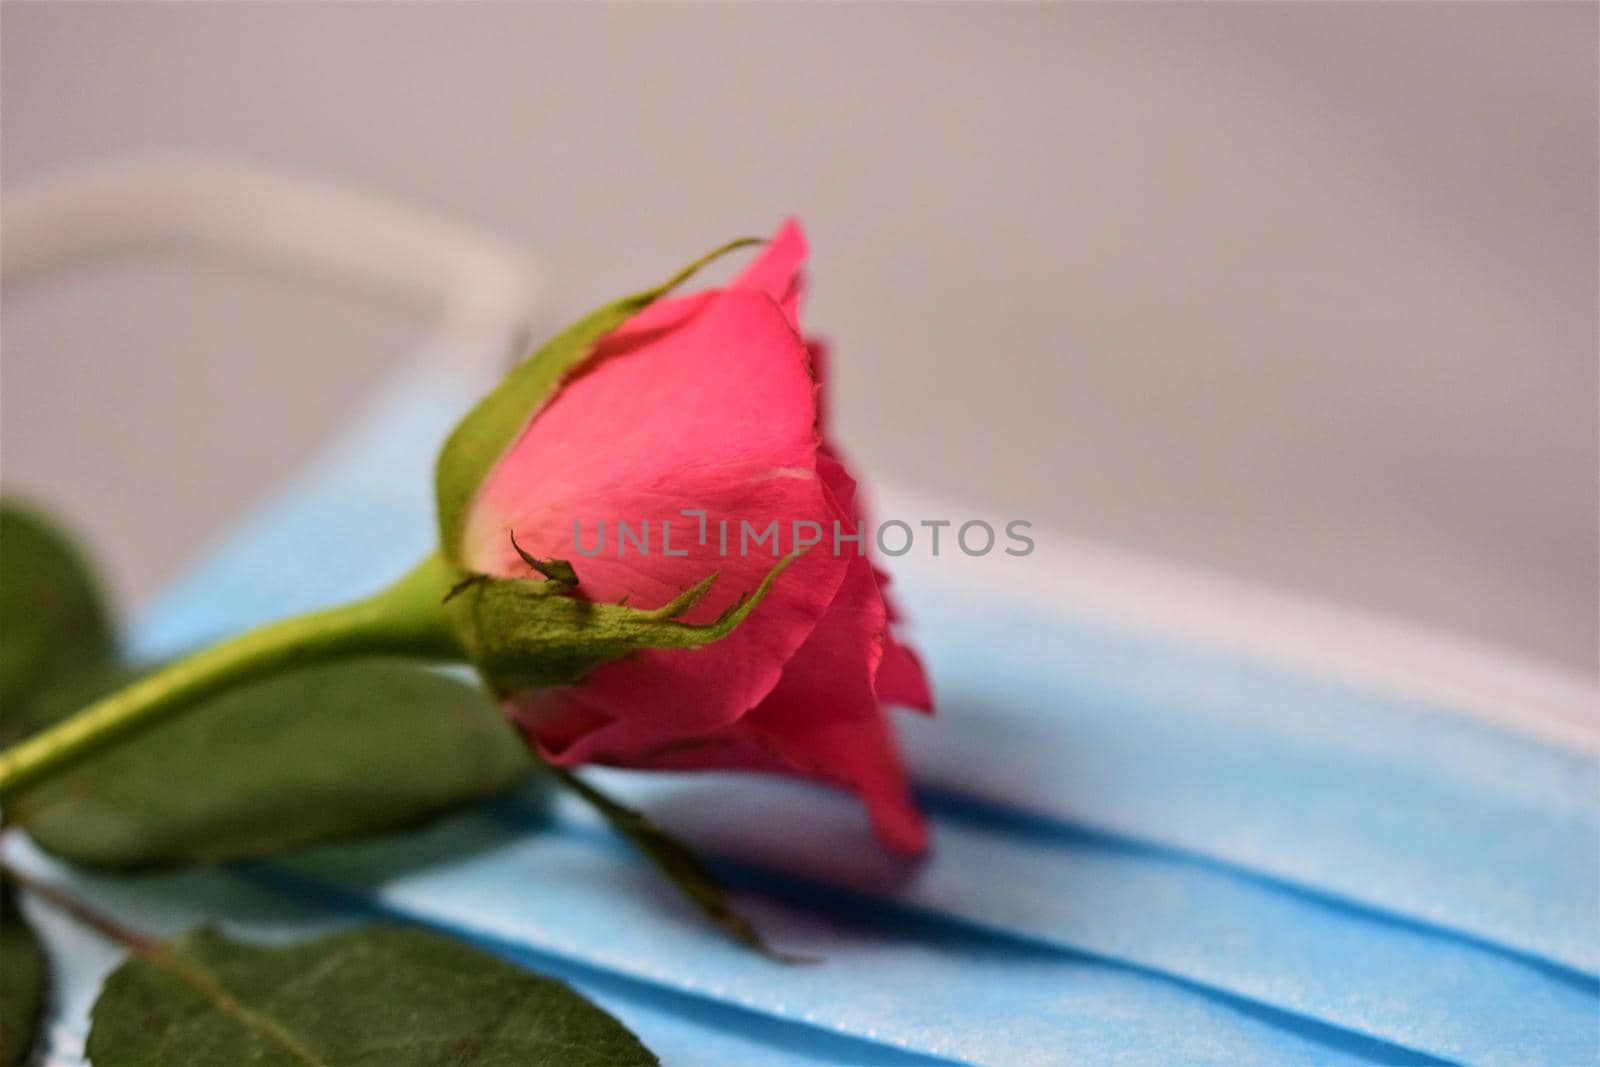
[[523, 635], [678, 862], [496, 421], [559, 571]]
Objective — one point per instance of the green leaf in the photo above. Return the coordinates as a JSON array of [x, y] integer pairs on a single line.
[[53, 618], [677, 861], [496, 421], [523, 634], [373, 997], [22, 979], [324, 754]]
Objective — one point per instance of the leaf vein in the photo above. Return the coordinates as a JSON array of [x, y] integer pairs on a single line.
[[210, 987]]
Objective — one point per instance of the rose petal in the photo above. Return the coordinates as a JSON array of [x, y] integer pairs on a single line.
[[822, 721], [778, 271], [901, 679], [716, 411], [824, 718]]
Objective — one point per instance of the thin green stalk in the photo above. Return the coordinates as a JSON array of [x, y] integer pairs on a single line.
[[405, 620], [162, 955], [133, 940]]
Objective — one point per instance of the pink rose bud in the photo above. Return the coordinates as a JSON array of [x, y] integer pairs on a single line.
[[669, 441]]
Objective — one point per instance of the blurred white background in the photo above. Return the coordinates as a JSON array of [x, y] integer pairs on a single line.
[[1303, 293]]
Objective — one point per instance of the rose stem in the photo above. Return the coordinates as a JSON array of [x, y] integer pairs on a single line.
[[406, 620]]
